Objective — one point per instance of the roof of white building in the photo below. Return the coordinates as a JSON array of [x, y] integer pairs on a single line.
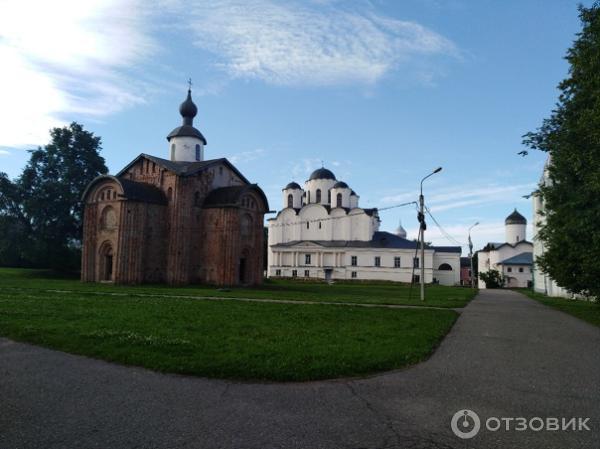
[[520, 259], [381, 239]]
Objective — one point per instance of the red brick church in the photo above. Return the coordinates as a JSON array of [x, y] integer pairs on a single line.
[[179, 220]]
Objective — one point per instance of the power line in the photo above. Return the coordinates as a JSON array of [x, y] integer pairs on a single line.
[[442, 230]]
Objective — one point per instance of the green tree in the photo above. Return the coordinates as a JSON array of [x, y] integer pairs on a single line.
[[492, 278], [41, 211], [571, 136]]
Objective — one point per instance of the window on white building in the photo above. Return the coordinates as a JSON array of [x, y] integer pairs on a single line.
[[339, 200], [416, 262], [290, 200], [277, 272], [318, 195], [353, 274], [416, 279], [307, 259], [294, 273], [520, 269], [377, 261], [509, 270], [197, 152], [396, 262], [306, 273], [354, 261]]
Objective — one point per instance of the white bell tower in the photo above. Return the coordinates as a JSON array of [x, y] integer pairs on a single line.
[[186, 143]]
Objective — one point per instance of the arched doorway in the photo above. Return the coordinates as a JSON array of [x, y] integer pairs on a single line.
[[243, 267], [106, 262], [445, 267]]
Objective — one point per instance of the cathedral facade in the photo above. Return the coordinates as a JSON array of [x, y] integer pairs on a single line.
[[179, 220], [322, 232]]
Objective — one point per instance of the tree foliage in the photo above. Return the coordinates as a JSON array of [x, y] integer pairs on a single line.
[[492, 278], [571, 136], [40, 211]]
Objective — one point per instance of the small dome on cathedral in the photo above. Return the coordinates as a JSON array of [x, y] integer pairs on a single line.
[[340, 185], [293, 185], [322, 173], [515, 218], [188, 109], [400, 231]]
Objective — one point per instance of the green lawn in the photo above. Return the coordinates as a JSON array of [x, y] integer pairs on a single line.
[[356, 292], [585, 310], [221, 339]]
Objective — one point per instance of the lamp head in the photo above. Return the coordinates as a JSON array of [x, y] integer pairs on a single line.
[[437, 170]]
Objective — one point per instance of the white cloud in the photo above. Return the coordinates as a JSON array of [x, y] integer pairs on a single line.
[[67, 57], [4, 153], [247, 156], [467, 195], [301, 44]]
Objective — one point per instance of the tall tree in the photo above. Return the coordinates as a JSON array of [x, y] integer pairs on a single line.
[[43, 204], [571, 135]]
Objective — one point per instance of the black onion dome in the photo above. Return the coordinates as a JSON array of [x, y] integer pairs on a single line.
[[515, 218], [188, 109], [293, 185], [322, 173], [340, 185]]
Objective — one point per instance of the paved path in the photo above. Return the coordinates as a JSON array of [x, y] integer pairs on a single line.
[[507, 356]]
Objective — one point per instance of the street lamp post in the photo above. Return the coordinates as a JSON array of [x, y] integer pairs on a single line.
[[422, 228], [471, 255]]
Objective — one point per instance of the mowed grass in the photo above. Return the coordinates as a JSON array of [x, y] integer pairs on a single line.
[[224, 339], [346, 292], [585, 310]]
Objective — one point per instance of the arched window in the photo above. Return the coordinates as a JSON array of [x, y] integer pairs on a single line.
[[318, 195], [197, 152], [329, 197], [339, 200], [173, 152], [246, 225], [108, 218], [170, 193], [445, 267], [308, 198], [290, 200]]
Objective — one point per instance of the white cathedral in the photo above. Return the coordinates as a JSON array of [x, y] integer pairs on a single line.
[[322, 233]]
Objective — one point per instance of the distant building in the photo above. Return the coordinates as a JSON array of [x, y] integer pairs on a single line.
[[543, 283], [465, 271], [513, 258], [321, 232], [178, 220]]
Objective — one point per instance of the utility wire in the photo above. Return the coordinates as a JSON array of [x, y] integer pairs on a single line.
[[442, 230]]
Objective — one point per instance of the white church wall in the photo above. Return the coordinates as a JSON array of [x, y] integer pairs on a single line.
[[296, 198], [183, 148], [447, 277], [313, 185], [515, 233]]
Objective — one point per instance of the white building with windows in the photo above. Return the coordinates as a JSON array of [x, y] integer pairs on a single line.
[[513, 258], [321, 232], [543, 283]]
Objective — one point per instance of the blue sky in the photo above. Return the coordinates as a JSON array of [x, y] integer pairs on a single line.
[[381, 91]]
